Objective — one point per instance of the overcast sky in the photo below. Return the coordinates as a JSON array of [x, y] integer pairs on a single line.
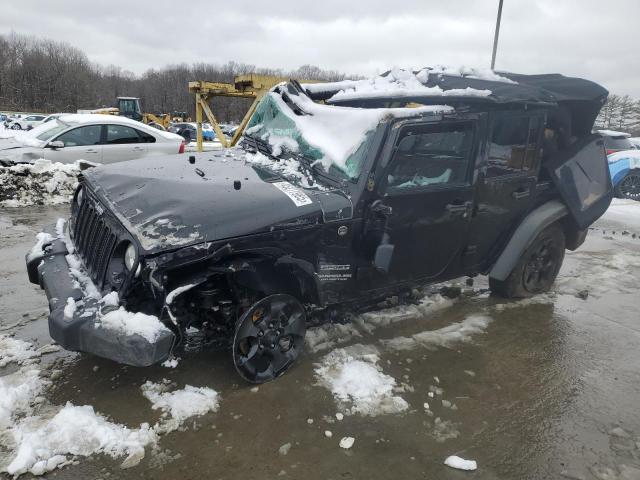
[[589, 38]]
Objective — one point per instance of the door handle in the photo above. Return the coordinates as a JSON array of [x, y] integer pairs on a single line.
[[459, 208], [91, 150], [139, 149], [521, 193]]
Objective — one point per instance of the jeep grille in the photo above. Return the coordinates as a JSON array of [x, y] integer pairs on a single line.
[[94, 241]]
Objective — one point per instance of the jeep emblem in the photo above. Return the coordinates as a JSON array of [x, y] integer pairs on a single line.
[[343, 230]]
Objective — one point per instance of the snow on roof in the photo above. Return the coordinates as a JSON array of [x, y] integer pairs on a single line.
[[396, 83], [613, 133], [338, 131], [468, 72]]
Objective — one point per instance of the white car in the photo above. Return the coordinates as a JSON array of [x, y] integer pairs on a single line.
[[26, 122], [95, 138]]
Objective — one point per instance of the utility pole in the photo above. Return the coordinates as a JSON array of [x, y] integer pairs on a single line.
[[495, 37]]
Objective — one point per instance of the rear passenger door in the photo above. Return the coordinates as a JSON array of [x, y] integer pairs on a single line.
[[506, 184], [122, 143]]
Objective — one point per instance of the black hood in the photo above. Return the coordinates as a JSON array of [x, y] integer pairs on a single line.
[[167, 202]]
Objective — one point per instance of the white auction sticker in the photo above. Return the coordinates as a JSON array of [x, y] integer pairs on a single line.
[[296, 195]]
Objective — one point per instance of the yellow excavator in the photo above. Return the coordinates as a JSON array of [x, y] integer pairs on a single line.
[[130, 107]]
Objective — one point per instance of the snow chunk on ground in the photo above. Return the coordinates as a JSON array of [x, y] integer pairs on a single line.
[[128, 323], [347, 442], [42, 444], [179, 405], [18, 392], [15, 350], [356, 381], [460, 463], [443, 337], [38, 183]]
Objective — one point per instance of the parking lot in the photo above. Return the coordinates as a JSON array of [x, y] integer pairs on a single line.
[[541, 388]]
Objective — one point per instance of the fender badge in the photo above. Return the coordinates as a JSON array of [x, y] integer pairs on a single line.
[[343, 230]]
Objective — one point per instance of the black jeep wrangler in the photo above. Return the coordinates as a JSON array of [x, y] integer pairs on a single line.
[[332, 200]]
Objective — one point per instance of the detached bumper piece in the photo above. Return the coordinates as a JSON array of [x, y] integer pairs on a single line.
[[81, 332]]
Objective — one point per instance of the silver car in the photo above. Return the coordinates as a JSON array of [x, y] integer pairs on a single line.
[[94, 138]]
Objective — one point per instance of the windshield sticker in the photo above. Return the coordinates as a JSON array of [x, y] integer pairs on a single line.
[[296, 195]]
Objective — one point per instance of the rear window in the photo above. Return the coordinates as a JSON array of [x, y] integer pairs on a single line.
[[617, 143]]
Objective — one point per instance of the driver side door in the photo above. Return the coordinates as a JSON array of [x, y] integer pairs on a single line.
[[81, 143], [428, 194]]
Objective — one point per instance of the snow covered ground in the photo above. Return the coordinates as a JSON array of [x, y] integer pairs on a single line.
[[38, 437]]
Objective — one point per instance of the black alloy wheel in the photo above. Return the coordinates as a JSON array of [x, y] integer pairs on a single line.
[[269, 338]]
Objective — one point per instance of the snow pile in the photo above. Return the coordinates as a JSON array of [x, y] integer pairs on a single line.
[[289, 168], [356, 381], [443, 337], [42, 444], [18, 392], [39, 183], [124, 322], [399, 83], [330, 335], [42, 239], [15, 350], [179, 405], [460, 463], [468, 72]]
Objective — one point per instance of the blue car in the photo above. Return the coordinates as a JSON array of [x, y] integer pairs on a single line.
[[625, 173]]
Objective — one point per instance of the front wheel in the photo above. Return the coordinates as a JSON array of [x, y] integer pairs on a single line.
[[629, 186], [537, 268], [269, 338], [16, 126]]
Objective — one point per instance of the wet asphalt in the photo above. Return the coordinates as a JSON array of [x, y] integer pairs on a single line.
[[551, 388]]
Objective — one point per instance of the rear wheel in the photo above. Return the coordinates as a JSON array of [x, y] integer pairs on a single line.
[[629, 186], [537, 268], [269, 338]]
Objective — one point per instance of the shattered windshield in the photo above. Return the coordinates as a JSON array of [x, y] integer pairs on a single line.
[[290, 135]]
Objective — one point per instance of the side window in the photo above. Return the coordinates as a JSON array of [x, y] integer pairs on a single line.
[[145, 137], [119, 134], [431, 155], [81, 136], [514, 145]]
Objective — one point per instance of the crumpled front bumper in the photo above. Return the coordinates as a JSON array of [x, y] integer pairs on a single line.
[[82, 332]]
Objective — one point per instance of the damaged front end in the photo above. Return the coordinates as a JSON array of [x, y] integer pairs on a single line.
[[82, 280]]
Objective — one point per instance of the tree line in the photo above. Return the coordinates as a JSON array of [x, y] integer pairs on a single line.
[[47, 76], [41, 75], [621, 113]]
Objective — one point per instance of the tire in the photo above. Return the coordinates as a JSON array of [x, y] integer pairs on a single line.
[[629, 186], [16, 126], [269, 338], [537, 268]]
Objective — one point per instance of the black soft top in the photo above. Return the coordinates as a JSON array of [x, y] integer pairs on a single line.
[[581, 98]]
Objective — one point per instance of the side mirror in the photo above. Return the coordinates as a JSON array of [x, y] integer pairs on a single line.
[[384, 254], [56, 144]]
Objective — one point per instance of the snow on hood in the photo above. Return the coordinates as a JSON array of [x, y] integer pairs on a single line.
[[406, 83], [632, 155]]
